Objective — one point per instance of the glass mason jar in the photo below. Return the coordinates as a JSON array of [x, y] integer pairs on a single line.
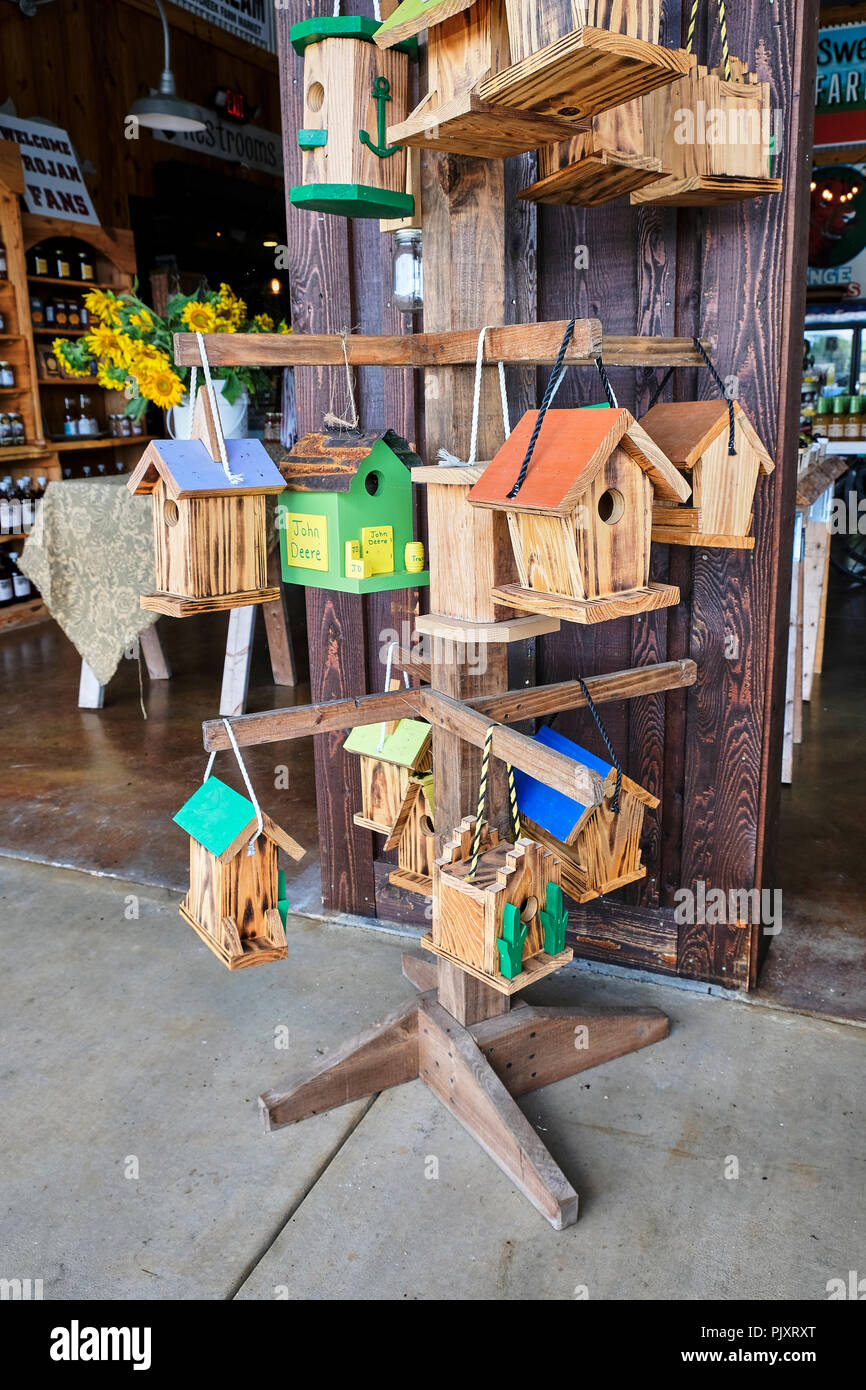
[[408, 284]]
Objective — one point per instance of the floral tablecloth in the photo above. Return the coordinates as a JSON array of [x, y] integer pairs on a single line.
[[91, 557]]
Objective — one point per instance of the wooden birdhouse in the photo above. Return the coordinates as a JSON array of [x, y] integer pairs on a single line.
[[234, 883], [210, 535], [598, 848], [581, 522], [498, 922], [345, 519], [695, 435], [397, 795], [352, 91], [506, 76], [713, 136]]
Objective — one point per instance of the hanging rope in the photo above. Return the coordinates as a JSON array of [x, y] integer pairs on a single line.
[[732, 419], [450, 460], [605, 381], [512, 801], [381, 744], [549, 393], [249, 786], [590, 704], [337, 422], [482, 797], [232, 478], [723, 27], [661, 386]]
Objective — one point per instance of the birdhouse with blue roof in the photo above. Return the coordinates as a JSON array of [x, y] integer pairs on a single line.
[[236, 900], [209, 519], [345, 519], [352, 92], [598, 846]]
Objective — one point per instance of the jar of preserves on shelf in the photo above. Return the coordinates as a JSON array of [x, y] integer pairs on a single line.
[[2, 322], [73, 313], [61, 313], [16, 422], [5, 432], [7, 374], [838, 418], [126, 427], [4, 267], [37, 310]]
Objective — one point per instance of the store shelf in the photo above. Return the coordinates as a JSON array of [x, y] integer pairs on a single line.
[[23, 614], [13, 536], [844, 446], [60, 332], [26, 451], [65, 446], [70, 284], [72, 383]]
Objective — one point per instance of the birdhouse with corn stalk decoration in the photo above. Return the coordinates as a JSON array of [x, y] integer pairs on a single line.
[[352, 91]]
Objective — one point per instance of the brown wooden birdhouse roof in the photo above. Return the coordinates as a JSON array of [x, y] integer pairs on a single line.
[[684, 430], [572, 448], [330, 462]]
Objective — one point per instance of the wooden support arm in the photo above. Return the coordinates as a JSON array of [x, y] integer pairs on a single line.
[[543, 700], [281, 725], [527, 343]]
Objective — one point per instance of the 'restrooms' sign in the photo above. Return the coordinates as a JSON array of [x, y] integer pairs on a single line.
[[253, 20]]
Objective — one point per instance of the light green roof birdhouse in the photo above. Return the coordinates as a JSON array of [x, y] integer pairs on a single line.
[[345, 518], [352, 92]]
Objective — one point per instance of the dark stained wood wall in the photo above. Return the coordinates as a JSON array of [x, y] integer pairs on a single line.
[[736, 275], [81, 63]]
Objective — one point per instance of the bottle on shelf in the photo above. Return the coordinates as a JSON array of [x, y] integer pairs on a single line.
[[37, 311], [7, 592], [28, 511], [5, 432], [70, 417], [86, 471], [87, 421], [83, 315], [50, 313], [4, 264], [73, 313], [16, 421], [20, 583], [839, 417], [100, 470], [61, 313], [85, 265], [5, 505], [37, 261], [2, 322], [62, 264], [7, 374], [10, 510]]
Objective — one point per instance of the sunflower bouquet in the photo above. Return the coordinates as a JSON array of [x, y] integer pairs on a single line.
[[130, 345]]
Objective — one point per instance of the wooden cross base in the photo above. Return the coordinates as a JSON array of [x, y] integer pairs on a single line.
[[476, 1051]]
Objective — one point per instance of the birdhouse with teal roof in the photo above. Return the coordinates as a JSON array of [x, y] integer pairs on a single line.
[[236, 900], [598, 847], [352, 92], [345, 519]]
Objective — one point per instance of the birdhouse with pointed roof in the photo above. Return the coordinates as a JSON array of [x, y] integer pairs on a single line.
[[580, 521], [234, 883], [209, 533], [598, 847], [352, 91], [397, 794], [345, 519], [696, 436], [494, 916], [505, 76]]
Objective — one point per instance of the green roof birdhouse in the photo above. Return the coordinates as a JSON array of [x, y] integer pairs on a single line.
[[352, 92], [345, 518], [234, 884]]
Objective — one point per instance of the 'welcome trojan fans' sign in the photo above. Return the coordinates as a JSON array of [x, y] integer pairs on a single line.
[[252, 20], [54, 186]]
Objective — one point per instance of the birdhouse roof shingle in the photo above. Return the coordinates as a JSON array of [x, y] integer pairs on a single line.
[[407, 745], [188, 470], [223, 822], [330, 463], [572, 448], [684, 430], [412, 16]]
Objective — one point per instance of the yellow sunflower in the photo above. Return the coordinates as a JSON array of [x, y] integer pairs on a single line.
[[162, 386], [58, 347], [142, 320], [264, 322], [199, 317], [102, 307], [103, 341]]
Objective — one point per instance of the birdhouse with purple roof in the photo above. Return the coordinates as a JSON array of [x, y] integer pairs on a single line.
[[209, 519]]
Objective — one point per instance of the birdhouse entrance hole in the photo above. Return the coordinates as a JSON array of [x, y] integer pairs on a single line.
[[611, 506], [315, 96], [427, 826], [170, 513], [373, 482], [529, 910]]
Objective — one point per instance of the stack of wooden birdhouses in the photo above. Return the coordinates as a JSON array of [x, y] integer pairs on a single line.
[[397, 795]]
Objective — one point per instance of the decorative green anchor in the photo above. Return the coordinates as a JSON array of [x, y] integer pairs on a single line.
[[381, 94]]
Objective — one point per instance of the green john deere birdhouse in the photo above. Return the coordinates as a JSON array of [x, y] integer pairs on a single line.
[[345, 518], [352, 92]]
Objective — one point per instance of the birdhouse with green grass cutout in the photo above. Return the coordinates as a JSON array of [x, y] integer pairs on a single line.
[[345, 519], [352, 92]]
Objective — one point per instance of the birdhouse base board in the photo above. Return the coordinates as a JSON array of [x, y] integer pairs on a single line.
[[586, 611], [176, 606], [373, 584], [460, 630], [596, 179], [704, 190], [422, 884], [534, 967], [584, 73], [253, 950], [468, 125], [679, 535], [352, 200]]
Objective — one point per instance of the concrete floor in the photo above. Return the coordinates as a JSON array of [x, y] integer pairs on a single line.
[[132, 1164]]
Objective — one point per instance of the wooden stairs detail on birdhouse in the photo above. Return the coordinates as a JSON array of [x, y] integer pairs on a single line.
[[468, 912]]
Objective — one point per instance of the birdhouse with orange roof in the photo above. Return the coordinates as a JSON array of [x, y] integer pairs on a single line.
[[715, 445], [579, 506]]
